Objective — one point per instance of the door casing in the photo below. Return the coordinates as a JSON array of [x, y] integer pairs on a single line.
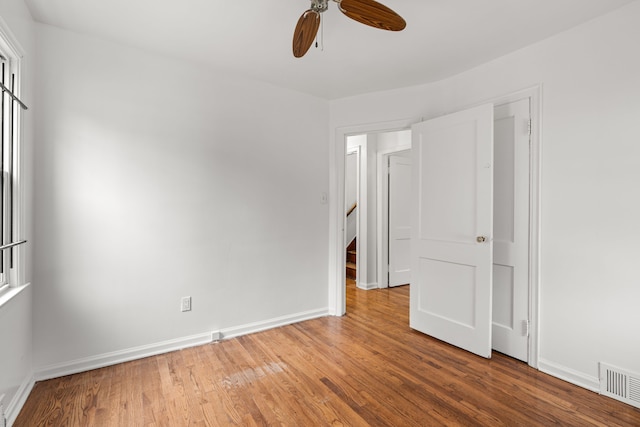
[[336, 285]]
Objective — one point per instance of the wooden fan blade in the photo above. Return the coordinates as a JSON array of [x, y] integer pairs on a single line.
[[372, 13], [305, 32]]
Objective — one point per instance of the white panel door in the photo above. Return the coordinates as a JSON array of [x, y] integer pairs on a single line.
[[399, 220], [511, 229], [452, 252]]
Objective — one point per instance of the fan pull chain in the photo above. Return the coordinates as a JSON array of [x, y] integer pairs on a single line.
[[321, 36]]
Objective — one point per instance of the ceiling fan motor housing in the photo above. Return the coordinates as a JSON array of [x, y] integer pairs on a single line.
[[319, 5]]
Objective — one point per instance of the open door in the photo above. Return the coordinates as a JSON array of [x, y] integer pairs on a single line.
[[511, 230], [452, 229], [399, 220]]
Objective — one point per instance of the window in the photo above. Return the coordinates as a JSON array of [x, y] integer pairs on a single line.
[[11, 108]]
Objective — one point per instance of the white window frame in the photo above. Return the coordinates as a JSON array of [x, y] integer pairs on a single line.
[[12, 275]]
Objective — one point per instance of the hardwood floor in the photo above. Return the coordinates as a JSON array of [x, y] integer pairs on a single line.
[[366, 368]]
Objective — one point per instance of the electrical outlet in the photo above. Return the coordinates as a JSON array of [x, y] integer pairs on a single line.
[[186, 304]]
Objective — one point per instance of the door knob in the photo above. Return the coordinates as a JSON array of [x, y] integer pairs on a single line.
[[481, 239]]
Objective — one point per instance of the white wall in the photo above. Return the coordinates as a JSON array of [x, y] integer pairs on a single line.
[[351, 179], [351, 195], [372, 212], [156, 179], [15, 315], [590, 238], [393, 141]]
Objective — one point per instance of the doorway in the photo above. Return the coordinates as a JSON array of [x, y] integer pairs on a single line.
[[352, 190], [528, 327], [394, 239], [367, 157]]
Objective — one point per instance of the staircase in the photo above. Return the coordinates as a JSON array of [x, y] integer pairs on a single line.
[[351, 266]]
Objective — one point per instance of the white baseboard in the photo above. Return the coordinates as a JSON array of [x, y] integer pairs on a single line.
[[16, 404], [115, 357], [567, 374], [367, 286], [112, 358], [250, 328]]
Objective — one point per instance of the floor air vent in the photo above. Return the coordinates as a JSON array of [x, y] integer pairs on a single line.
[[620, 384]]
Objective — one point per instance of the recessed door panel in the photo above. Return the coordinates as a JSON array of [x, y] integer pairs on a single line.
[[456, 160], [503, 296], [446, 290]]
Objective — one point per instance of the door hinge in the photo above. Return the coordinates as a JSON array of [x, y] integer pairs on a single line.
[[529, 127], [525, 328]]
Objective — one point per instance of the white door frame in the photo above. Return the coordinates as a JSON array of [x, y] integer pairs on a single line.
[[382, 187], [535, 96], [362, 244], [337, 291], [337, 296]]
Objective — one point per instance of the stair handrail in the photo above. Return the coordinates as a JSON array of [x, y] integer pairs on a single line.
[[353, 208]]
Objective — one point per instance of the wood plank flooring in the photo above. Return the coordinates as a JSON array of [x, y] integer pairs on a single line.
[[366, 368]]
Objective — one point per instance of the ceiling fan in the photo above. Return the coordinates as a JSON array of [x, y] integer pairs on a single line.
[[368, 12]]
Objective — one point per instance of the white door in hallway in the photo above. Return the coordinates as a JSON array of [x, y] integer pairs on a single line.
[[452, 228], [511, 229], [399, 220]]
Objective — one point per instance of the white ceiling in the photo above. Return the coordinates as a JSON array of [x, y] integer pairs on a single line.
[[253, 37]]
